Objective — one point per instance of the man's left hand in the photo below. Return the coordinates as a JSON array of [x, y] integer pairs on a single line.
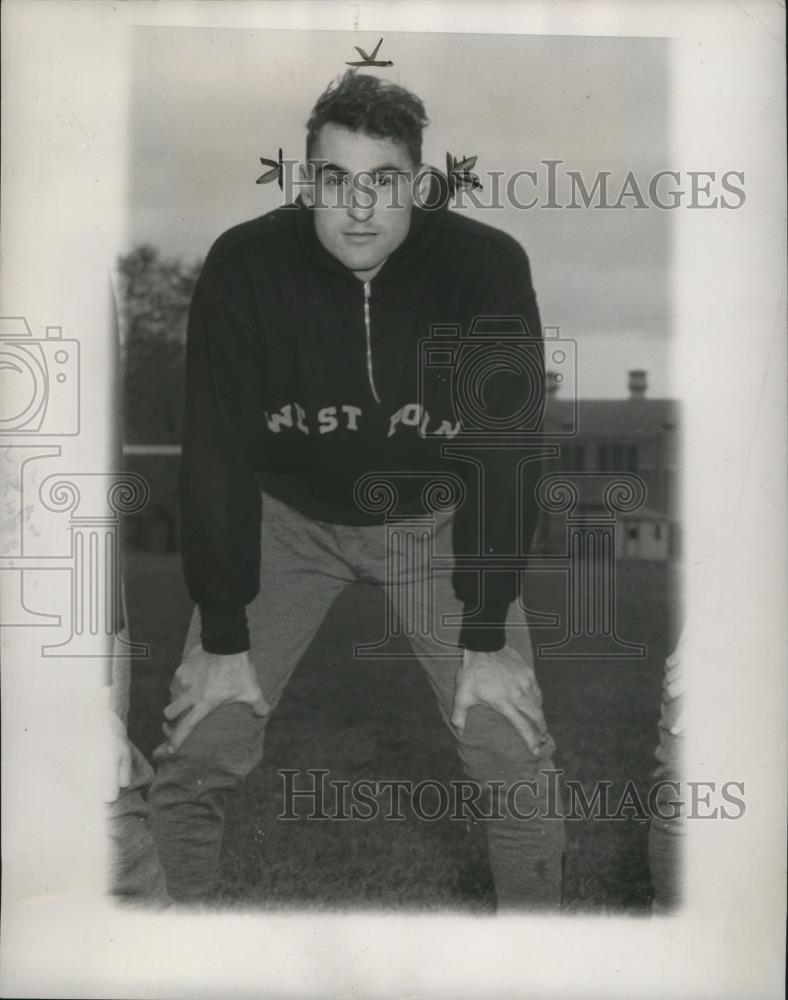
[[506, 683]]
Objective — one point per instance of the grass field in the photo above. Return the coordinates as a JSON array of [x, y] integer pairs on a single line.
[[379, 720]]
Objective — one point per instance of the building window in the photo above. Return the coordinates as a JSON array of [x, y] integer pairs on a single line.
[[632, 533], [617, 458]]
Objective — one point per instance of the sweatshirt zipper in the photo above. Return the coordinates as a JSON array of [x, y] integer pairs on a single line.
[[370, 374]]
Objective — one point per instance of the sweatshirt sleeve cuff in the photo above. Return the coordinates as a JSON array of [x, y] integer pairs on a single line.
[[224, 628], [485, 631]]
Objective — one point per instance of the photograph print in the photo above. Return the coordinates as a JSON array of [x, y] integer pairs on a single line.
[[396, 336]]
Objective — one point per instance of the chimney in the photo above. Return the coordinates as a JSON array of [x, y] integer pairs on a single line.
[[553, 382], [638, 383]]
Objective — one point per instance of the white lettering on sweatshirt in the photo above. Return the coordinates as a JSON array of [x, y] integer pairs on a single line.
[[346, 417]]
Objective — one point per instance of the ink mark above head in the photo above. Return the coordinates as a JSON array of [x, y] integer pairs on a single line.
[[370, 60], [275, 171], [459, 172]]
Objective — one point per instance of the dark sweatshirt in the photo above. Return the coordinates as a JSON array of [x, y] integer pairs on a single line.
[[300, 379]]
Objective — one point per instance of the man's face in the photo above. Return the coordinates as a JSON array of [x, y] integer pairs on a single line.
[[363, 197]]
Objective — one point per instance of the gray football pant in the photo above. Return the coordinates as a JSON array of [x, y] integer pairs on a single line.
[[305, 565]]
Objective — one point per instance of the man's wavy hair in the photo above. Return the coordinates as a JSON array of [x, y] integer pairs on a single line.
[[372, 106]]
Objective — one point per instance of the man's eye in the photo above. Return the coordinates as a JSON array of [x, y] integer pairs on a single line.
[[333, 180], [384, 180]]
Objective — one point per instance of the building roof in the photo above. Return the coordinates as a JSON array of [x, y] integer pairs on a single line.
[[615, 418]]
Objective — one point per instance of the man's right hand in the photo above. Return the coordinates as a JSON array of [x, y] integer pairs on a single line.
[[202, 683]]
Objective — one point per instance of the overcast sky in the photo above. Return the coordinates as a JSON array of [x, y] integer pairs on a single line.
[[207, 103]]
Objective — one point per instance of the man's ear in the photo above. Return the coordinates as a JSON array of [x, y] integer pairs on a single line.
[[306, 174], [422, 182]]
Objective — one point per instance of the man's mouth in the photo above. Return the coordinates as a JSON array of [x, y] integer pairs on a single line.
[[359, 237]]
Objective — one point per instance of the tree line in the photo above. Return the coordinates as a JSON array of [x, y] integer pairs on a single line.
[[154, 294]]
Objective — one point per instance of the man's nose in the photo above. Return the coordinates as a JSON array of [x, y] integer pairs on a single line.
[[361, 203]]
